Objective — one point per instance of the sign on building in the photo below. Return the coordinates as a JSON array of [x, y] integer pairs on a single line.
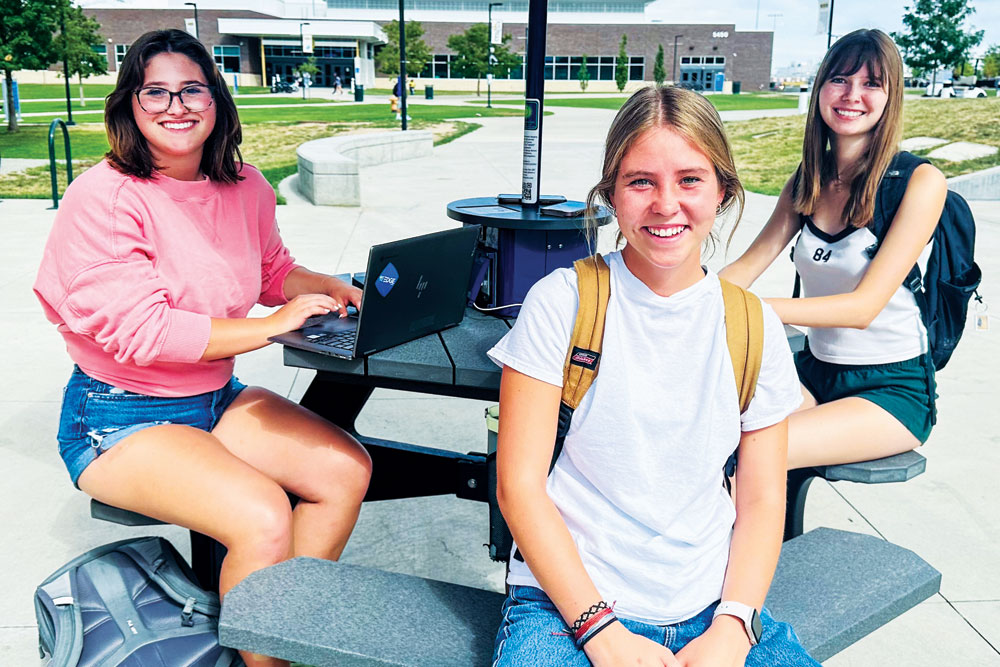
[[190, 27]]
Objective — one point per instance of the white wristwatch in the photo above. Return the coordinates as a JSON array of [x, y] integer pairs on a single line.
[[744, 612]]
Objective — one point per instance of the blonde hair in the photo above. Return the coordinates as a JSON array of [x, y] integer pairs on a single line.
[[687, 113], [876, 50]]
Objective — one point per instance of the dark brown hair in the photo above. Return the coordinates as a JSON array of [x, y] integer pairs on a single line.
[[129, 152], [691, 116], [876, 50]]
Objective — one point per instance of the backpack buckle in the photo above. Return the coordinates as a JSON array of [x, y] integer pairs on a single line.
[[914, 283], [187, 614]]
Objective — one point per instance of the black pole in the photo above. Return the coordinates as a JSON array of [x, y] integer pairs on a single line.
[[829, 27], [197, 30], [489, 55], [674, 75], [534, 98], [62, 26], [402, 65]]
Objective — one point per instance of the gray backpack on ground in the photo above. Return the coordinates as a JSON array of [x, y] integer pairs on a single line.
[[129, 603]]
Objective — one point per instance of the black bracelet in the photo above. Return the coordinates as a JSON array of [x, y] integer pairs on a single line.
[[594, 633], [578, 623]]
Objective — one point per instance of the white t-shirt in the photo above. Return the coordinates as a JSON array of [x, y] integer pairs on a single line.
[[639, 480], [835, 264]]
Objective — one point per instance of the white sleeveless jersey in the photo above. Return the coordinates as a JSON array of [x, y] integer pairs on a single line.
[[835, 264]]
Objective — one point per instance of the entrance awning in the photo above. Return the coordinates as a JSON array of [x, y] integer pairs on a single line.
[[365, 31]]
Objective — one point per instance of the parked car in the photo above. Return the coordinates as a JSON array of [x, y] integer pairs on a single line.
[[947, 89]]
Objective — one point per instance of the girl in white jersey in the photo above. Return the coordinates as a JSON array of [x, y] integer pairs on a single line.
[[868, 382], [634, 553]]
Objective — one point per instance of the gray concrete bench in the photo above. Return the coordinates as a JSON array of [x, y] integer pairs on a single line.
[[329, 167], [833, 586]]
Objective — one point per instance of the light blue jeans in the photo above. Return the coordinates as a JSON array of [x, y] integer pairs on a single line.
[[533, 633]]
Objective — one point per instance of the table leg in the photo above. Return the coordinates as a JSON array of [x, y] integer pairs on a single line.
[[337, 402], [795, 500]]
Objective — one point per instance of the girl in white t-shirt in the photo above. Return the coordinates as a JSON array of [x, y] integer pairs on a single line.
[[634, 515], [867, 379]]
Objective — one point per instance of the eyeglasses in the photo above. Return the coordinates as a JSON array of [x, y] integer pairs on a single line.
[[193, 98]]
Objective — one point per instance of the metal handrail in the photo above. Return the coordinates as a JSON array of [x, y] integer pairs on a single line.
[[52, 159]]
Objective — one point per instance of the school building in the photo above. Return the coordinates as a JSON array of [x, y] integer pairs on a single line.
[[257, 40]]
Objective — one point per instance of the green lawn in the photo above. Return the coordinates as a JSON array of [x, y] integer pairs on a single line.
[[767, 150], [721, 102]]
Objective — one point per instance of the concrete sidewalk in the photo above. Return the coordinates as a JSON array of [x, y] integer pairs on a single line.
[[948, 515]]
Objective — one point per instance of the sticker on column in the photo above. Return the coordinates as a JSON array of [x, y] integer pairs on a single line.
[[529, 165], [387, 279]]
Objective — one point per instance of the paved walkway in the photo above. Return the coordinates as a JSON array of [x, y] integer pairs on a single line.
[[948, 515]]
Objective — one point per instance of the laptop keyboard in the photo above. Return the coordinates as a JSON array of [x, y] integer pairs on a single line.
[[342, 339]]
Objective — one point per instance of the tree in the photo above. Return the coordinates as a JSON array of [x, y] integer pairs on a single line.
[[991, 62], [418, 54], [473, 49], [26, 41], [583, 74], [659, 71], [621, 65], [933, 36], [82, 35]]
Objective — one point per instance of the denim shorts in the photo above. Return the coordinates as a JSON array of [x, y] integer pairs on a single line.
[[533, 633], [96, 416], [904, 389]]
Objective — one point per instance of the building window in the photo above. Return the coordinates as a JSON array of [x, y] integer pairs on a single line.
[[371, 51], [227, 57], [120, 51], [636, 68]]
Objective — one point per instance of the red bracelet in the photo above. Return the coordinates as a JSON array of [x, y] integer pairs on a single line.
[[591, 622]]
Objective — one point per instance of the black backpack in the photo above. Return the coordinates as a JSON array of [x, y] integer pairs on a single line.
[[952, 275], [130, 603]]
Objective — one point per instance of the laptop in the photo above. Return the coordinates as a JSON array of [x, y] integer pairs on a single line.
[[413, 287]]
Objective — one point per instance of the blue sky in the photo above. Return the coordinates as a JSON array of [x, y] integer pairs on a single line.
[[795, 37]]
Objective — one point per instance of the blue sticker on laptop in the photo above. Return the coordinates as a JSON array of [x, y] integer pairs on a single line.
[[387, 279]]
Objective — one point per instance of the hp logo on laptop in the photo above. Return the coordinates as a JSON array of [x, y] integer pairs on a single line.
[[387, 279]]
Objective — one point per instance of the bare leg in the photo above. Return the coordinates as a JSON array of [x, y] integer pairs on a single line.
[[307, 455], [185, 476], [844, 431]]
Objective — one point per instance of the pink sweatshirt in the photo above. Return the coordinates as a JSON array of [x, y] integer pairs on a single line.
[[134, 269]]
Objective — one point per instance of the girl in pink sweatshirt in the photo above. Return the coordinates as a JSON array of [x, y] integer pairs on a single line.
[[156, 256]]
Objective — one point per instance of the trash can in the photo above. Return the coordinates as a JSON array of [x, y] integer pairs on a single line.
[[737, 87], [501, 541], [428, 92], [359, 93], [803, 99]]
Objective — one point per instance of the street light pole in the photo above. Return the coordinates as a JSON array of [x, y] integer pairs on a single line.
[[756, 18], [829, 27], [62, 26], [197, 30], [402, 68], [302, 40], [674, 75], [489, 56]]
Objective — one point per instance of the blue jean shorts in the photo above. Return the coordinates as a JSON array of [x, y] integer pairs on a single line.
[[533, 633], [96, 416]]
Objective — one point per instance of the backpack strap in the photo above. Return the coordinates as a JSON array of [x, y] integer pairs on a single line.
[[744, 337], [65, 636]]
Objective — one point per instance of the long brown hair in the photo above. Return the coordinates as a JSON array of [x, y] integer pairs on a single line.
[[876, 50], [691, 116], [130, 152]]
